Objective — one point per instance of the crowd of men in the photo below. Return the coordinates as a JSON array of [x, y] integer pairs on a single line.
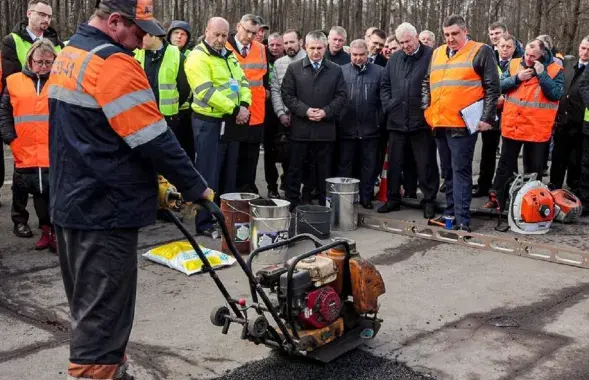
[[90, 122]]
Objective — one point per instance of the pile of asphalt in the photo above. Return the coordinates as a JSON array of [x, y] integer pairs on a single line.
[[355, 365]]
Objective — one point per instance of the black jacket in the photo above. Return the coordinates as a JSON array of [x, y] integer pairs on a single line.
[[485, 66], [571, 110], [341, 57], [400, 92], [153, 62], [380, 60], [360, 117], [584, 92], [302, 89], [7, 129], [10, 62]]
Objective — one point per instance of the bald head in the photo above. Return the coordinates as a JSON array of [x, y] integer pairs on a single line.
[[217, 22], [217, 32]]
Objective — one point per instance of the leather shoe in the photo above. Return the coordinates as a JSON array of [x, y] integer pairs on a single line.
[[410, 195], [480, 192], [367, 205], [429, 210], [389, 206], [273, 194], [22, 230]]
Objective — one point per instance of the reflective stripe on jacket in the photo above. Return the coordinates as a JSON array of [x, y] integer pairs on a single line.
[[31, 122], [166, 79], [23, 47], [255, 66], [527, 114], [218, 82], [454, 85]]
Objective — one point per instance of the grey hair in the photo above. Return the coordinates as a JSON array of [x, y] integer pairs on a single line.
[[586, 38], [359, 43], [339, 30], [274, 36], [405, 28], [316, 35], [431, 34], [44, 45], [255, 20]]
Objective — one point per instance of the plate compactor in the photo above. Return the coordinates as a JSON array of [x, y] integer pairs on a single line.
[[319, 304]]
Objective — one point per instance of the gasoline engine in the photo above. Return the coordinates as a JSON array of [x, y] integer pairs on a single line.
[[327, 297]]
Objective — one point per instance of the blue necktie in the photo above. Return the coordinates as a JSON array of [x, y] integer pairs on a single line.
[[316, 66], [581, 66]]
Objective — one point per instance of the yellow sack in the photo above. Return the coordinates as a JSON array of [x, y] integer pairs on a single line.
[[181, 256]]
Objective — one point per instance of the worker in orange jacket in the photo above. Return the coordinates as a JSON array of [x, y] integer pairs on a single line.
[[532, 86], [108, 141], [462, 73], [24, 125]]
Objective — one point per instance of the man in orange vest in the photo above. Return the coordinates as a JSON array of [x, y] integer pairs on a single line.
[[24, 125], [254, 60], [462, 72], [533, 87]]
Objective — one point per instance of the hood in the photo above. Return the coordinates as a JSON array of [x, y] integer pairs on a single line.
[[34, 76], [179, 24], [21, 29]]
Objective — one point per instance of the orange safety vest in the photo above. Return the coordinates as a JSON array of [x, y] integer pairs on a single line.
[[255, 66], [31, 121], [454, 85], [527, 114]]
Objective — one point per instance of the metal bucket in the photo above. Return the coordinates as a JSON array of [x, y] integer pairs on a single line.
[[343, 197], [236, 209], [314, 220], [270, 221]]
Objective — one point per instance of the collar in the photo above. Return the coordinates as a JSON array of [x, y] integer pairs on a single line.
[[224, 53], [582, 63], [240, 46], [97, 34], [32, 35], [416, 52], [311, 63]]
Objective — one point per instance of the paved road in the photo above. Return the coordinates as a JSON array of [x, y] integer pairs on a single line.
[[450, 313]]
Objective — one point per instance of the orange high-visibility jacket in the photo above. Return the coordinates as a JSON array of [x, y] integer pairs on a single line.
[[527, 114], [31, 122], [255, 66], [454, 85]]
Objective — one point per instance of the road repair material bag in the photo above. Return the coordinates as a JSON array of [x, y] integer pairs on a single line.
[[181, 256]]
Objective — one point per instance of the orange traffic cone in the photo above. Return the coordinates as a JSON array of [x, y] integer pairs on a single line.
[[382, 189]]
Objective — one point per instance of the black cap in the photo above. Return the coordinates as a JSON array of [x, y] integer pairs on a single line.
[[140, 11]]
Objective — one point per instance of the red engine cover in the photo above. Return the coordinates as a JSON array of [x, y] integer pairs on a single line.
[[322, 307]]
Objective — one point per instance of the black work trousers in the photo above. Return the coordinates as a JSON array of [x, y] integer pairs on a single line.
[[320, 154], [357, 159], [99, 271], [488, 162], [409, 171], [249, 154], [566, 159], [423, 147], [181, 125], [2, 165], [533, 156], [35, 182], [584, 179], [271, 159]]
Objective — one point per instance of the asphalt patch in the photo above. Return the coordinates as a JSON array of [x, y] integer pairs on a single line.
[[352, 366], [404, 251]]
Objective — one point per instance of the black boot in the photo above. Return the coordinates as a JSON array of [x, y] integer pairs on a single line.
[[389, 206]]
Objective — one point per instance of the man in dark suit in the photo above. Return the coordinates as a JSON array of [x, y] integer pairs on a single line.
[[314, 90], [376, 43], [568, 136]]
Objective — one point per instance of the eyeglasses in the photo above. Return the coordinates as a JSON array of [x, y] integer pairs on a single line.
[[248, 32], [42, 62], [42, 14]]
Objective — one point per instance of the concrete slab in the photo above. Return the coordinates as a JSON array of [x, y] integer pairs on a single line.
[[18, 335]]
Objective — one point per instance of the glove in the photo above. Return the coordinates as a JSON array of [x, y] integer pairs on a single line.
[[188, 210]]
